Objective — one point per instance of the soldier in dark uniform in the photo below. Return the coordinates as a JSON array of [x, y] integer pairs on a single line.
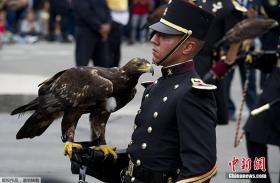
[[264, 128], [227, 15], [93, 20], [174, 138]]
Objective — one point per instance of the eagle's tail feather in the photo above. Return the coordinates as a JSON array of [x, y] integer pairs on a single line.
[[36, 124], [33, 105]]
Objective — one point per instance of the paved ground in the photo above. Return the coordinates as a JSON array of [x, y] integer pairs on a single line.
[[23, 67]]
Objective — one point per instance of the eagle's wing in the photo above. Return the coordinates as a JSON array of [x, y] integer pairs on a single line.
[[79, 87], [125, 98], [74, 88]]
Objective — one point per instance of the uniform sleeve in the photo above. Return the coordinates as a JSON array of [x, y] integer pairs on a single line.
[[196, 118]]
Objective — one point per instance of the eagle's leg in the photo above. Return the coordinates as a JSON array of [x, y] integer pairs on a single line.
[[68, 126], [98, 122]]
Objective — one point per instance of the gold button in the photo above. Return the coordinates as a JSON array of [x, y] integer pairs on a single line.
[[144, 146], [155, 114], [127, 173], [176, 86], [131, 142], [147, 95], [135, 126], [178, 171], [156, 81], [150, 129], [138, 162], [139, 111], [132, 179], [169, 180], [164, 99]]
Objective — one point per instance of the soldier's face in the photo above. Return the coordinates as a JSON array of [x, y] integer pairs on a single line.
[[162, 45]]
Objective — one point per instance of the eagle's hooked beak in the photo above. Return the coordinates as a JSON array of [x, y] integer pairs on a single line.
[[146, 68]]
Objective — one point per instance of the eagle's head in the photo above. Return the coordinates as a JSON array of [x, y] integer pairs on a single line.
[[271, 23], [137, 66]]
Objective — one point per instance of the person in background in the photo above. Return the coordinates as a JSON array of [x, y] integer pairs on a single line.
[[30, 28], [263, 129], [139, 15], [120, 17], [29, 25], [93, 23], [2, 26], [226, 16], [244, 68], [15, 11], [61, 8], [43, 15]]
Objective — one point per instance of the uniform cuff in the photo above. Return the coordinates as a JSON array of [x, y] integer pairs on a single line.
[[201, 178]]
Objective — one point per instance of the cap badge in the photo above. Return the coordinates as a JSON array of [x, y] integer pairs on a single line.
[[217, 6], [169, 72]]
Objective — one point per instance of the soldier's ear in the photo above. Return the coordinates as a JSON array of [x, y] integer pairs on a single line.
[[189, 47]]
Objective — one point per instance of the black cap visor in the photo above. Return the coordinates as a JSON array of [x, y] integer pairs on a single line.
[[160, 27]]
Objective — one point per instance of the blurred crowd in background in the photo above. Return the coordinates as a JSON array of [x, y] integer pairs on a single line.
[[28, 21]]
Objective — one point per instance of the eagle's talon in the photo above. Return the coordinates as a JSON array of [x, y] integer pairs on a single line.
[[107, 151], [68, 148]]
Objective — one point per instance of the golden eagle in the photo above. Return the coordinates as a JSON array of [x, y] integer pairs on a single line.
[[76, 91], [249, 28]]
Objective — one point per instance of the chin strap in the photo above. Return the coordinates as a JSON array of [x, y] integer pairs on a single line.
[[183, 39]]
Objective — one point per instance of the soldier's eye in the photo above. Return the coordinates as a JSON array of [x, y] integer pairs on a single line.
[[163, 35]]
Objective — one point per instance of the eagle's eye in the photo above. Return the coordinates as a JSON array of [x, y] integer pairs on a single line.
[[138, 64]]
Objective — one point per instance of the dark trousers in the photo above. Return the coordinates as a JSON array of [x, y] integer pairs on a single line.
[[258, 150], [90, 46], [64, 23], [115, 40]]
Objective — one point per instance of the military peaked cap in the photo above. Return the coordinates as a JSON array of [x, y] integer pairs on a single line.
[[181, 17]]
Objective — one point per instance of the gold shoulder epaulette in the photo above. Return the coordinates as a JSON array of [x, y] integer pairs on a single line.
[[199, 84]]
